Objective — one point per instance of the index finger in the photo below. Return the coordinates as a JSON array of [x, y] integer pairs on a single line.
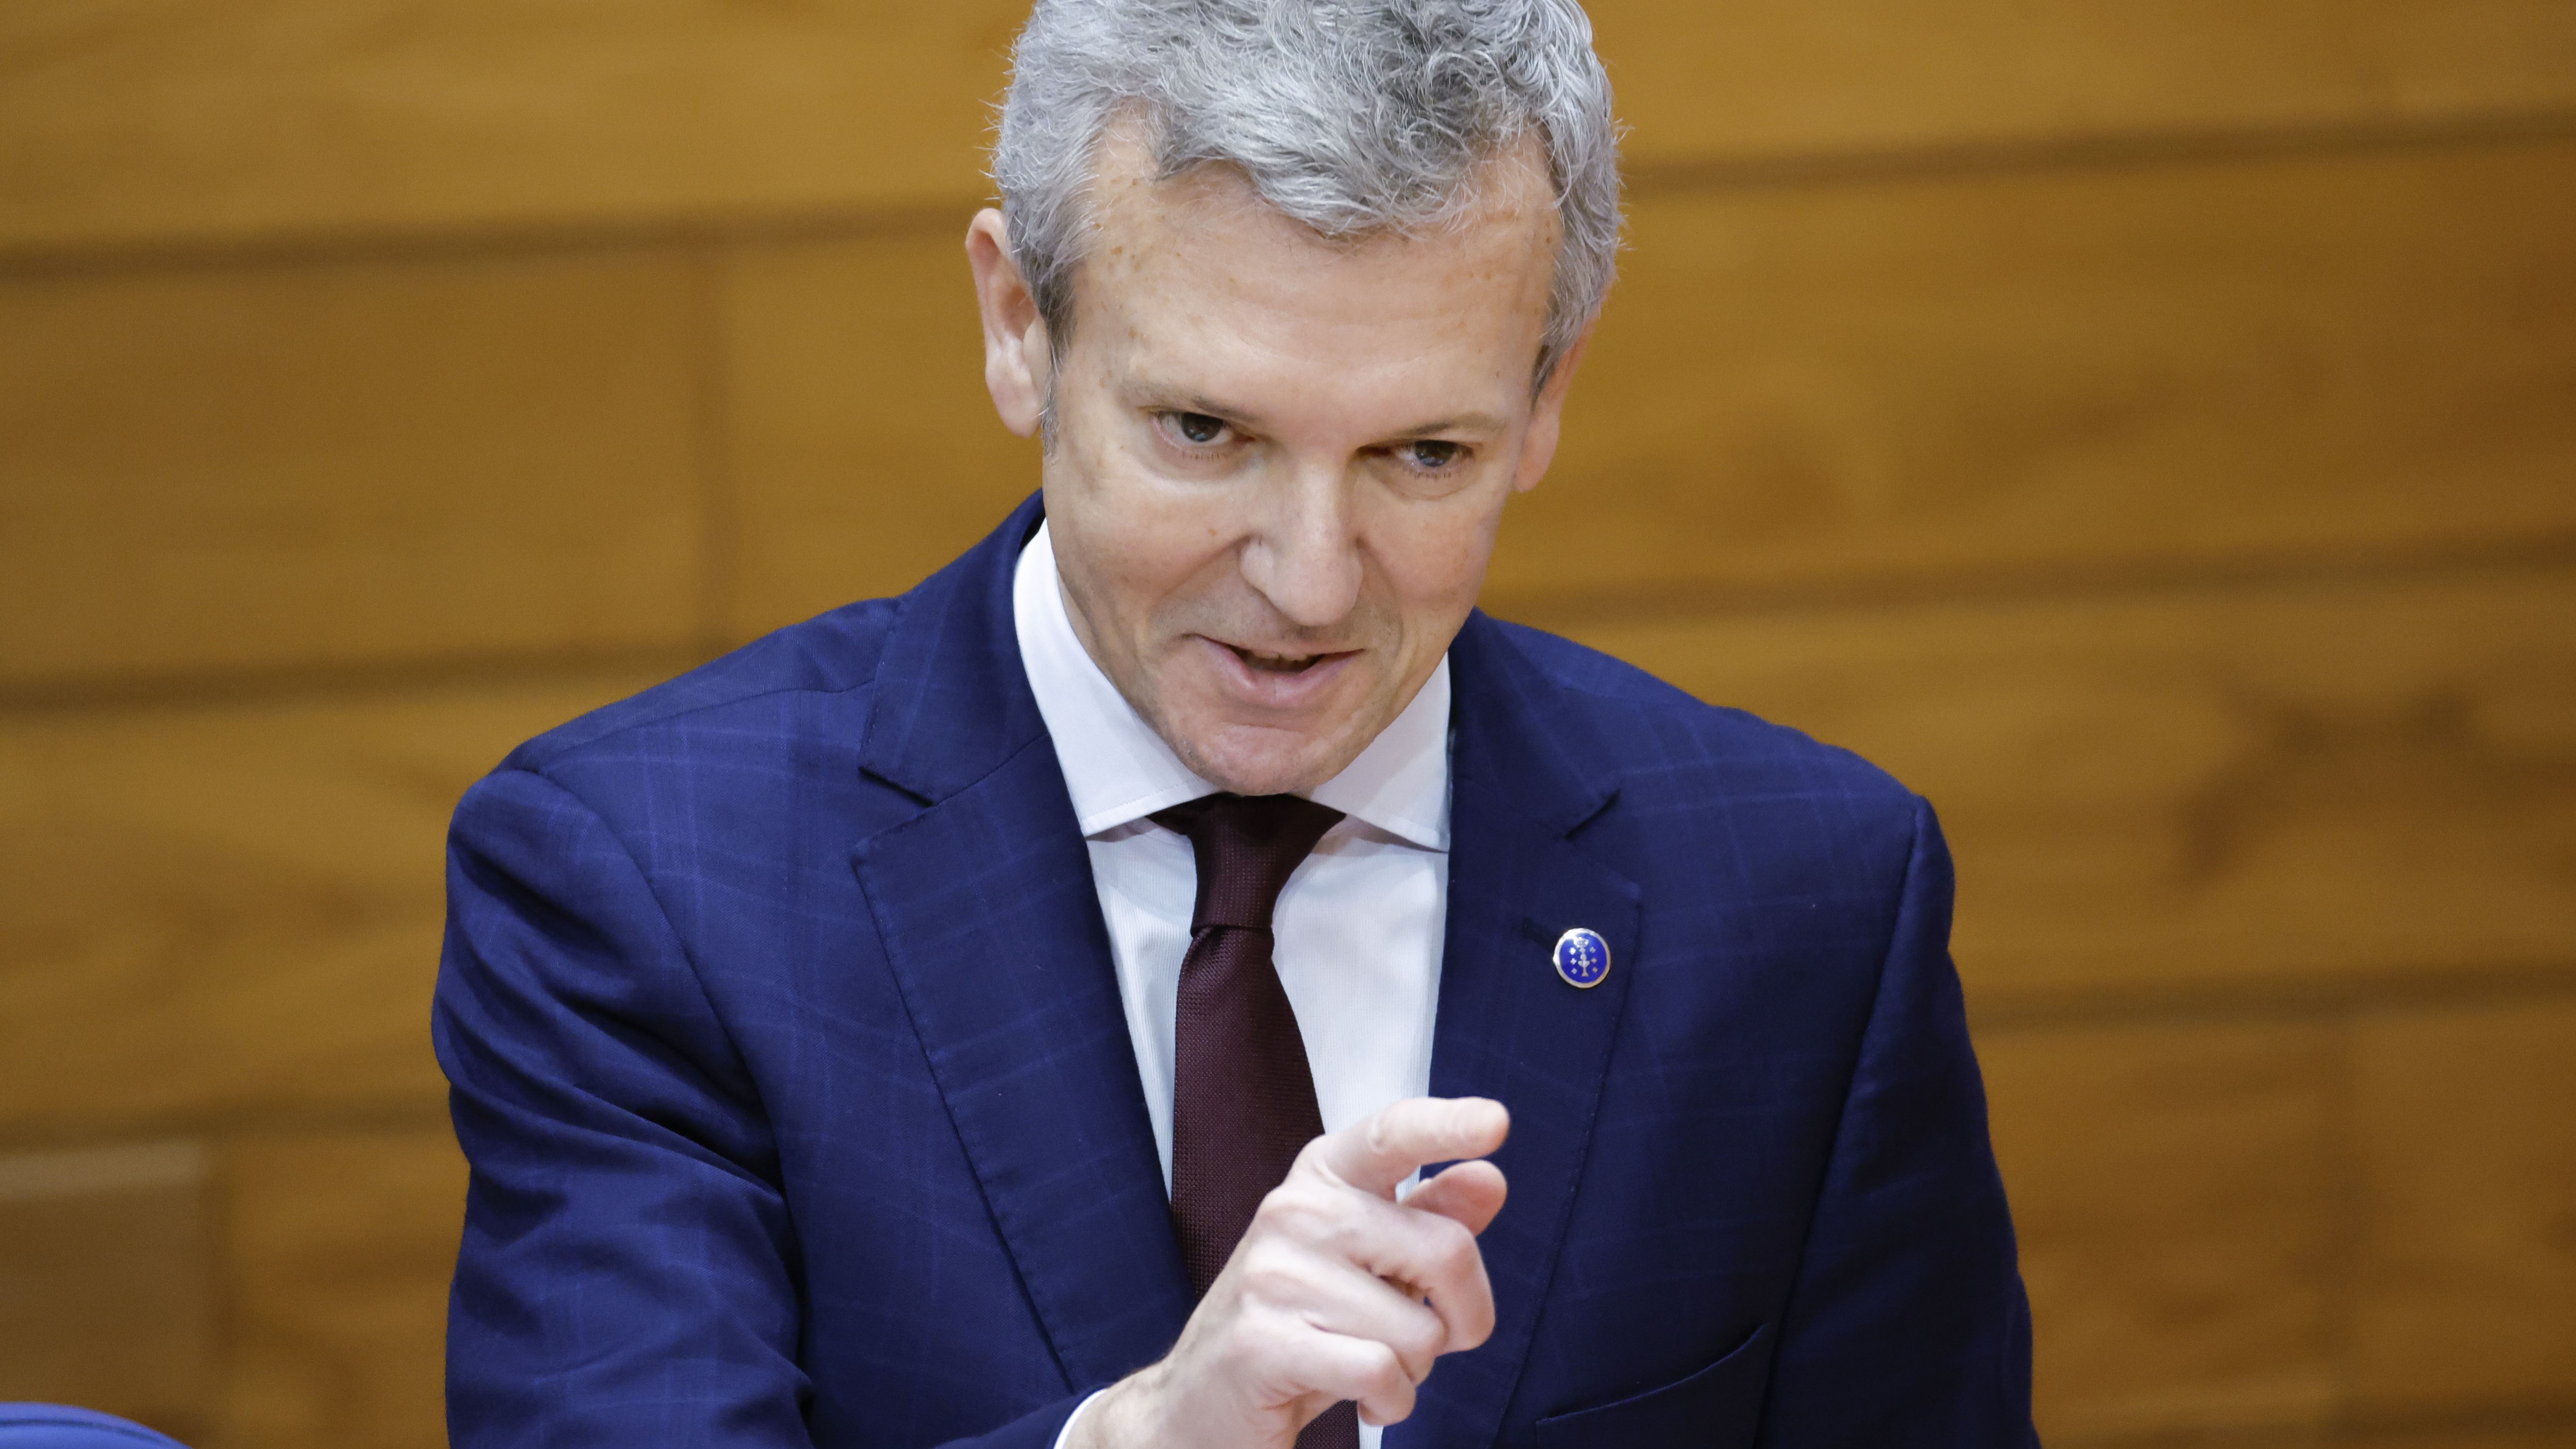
[[1379, 1153]]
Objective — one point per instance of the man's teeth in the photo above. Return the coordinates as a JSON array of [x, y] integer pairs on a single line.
[[1281, 663]]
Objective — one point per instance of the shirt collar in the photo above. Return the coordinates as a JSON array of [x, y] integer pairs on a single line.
[[1119, 770]]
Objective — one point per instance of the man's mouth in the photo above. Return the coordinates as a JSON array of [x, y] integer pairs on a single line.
[[1266, 681], [1277, 663]]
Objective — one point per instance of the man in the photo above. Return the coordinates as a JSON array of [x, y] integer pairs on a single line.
[[1038, 1010]]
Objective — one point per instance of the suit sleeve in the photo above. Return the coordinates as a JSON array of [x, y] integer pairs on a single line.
[[628, 1275], [1908, 1324]]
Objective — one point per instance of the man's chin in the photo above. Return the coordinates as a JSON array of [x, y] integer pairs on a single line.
[[1265, 759], [1277, 742]]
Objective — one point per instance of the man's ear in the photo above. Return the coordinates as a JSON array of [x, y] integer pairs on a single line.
[[1547, 417], [1015, 338]]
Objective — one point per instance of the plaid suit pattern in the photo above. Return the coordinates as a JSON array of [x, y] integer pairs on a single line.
[[784, 1042]]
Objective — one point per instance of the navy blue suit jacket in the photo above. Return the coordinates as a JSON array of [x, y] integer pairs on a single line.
[[786, 1047]]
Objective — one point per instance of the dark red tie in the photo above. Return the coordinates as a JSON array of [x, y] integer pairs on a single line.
[[1243, 1099]]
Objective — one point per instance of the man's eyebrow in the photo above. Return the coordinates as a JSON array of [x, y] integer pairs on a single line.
[[1175, 400], [1178, 401], [1462, 423]]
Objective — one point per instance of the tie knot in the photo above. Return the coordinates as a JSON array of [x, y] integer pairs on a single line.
[[1247, 847]]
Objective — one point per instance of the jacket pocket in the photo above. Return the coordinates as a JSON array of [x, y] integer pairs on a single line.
[[1716, 1408]]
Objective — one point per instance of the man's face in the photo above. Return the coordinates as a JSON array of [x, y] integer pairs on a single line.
[[1279, 461]]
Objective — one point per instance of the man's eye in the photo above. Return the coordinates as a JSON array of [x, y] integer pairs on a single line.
[[1197, 427], [1432, 454]]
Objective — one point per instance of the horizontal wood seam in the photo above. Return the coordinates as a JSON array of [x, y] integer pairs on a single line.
[[2473, 1424], [1647, 181], [2067, 581], [346, 682], [387, 1118], [2325, 995]]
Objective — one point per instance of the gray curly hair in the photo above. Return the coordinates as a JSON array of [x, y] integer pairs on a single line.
[[1352, 116]]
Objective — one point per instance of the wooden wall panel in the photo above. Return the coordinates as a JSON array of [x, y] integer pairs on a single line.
[[2471, 1434], [124, 120], [1756, 77], [2142, 428], [865, 452], [2055, 372], [108, 1281], [209, 469], [340, 1246], [2230, 788], [2456, 1432], [2466, 1125], [127, 120], [231, 910], [2173, 1189]]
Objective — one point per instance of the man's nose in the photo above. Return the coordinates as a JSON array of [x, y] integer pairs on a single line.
[[1305, 556]]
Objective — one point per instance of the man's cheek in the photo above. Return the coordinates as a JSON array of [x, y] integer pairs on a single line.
[[1430, 570]]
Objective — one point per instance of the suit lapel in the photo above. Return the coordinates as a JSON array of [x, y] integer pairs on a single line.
[[1525, 778], [986, 909], [984, 902]]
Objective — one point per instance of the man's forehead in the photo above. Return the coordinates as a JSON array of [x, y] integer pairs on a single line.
[[1136, 216]]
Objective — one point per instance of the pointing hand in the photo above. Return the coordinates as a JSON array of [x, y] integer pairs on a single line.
[[1337, 1291]]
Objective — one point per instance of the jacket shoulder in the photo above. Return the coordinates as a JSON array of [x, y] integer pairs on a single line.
[[831, 654]]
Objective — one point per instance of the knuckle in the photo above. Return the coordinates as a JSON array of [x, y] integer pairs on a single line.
[[1289, 1208], [1268, 1336], [1453, 1248], [1474, 1327], [1352, 1236], [1382, 1371], [1267, 1269], [1419, 1340], [1393, 1405]]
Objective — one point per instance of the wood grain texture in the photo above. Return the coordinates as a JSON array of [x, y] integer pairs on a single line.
[[2466, 1121], [2172, 1189], [2459, 1431], [2143, 429], [225, 911], [226, 118], [1771, 77], [108, 1282], [2061, 373], [2224, 791], [277, 467], [131, 121], [865, 452], [339, 1247]]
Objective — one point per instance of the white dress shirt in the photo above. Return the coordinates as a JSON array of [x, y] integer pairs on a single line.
[[1358, 926]]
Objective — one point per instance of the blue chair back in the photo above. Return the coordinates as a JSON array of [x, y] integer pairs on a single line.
[[52, 1426]]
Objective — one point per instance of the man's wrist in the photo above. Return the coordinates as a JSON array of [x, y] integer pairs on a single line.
[[1115, 1416], [1071, 1436]]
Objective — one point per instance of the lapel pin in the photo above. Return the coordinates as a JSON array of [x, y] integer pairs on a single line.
[[1582, 958]]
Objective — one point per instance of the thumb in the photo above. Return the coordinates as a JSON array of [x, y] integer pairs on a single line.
[[1467, 1193]]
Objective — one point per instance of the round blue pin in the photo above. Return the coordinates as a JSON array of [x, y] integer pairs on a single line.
[[1582, 957]]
